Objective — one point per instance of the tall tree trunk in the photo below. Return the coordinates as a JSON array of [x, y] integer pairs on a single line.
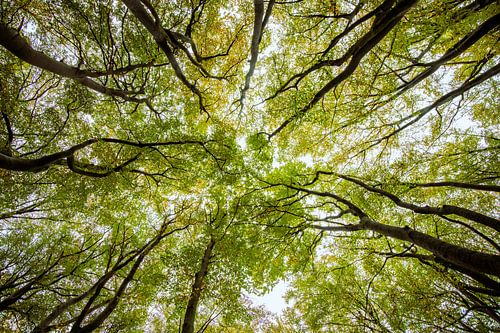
[[473, 260], [192, 307]]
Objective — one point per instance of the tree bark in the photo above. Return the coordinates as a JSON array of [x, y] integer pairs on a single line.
[[471, 186], [429, 210], [260, 22], [463, 258], [160, 36], [35, 165], [18, 46], [473, 260], [460, 47], [382, 25], [192, 307]]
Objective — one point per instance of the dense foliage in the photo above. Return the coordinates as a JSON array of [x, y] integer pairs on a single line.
[[160, 161]]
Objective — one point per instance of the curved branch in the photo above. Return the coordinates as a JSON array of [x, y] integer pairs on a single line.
[[474, 230], [42, 163], [84, 169], [161, 38], [110, 307], [91, 170], [443, 210], [333, 62], [18, 46], [475, 261]]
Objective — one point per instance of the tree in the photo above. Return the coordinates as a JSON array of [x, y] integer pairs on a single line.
[[159, 161]]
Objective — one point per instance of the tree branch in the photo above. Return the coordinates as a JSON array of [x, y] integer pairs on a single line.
[[161, 38], [381, 27], [260, 22], [12, 41]]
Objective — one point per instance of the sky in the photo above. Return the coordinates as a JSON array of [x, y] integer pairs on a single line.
[[274, 300]]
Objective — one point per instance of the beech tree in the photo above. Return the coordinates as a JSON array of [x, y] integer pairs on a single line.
[[161, 162]]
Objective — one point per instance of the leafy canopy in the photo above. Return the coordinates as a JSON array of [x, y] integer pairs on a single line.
[[160, 161]]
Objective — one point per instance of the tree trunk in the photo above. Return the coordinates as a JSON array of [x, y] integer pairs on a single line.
[[474, 260], [192, 307]]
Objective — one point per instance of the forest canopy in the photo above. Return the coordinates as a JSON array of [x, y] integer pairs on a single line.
[[161, 161]]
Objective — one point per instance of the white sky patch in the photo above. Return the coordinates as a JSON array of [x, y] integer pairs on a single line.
[[242, 142], [210, 130], [465, 122], [307, 159], [276, 164], [273, 301], [30, 27], [276, 161]]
